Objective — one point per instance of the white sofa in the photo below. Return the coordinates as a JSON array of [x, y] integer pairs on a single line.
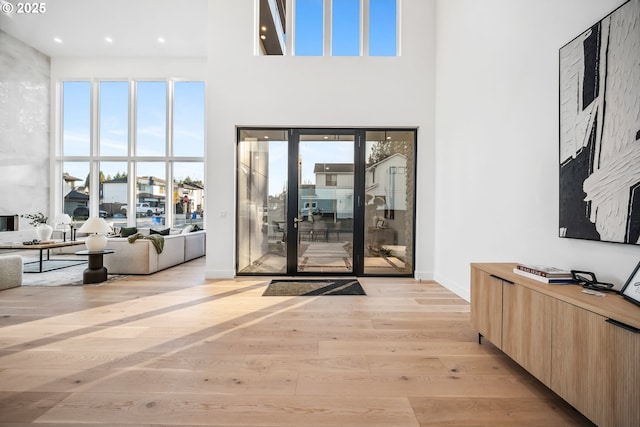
[[141, 257]]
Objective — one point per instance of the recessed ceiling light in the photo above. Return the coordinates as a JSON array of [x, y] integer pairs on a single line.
[[263, 37], [263, 28], [57, 39], [108, 39], [266, 137], [161, 40]]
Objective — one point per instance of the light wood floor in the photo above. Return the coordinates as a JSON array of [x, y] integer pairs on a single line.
[[176, 349]]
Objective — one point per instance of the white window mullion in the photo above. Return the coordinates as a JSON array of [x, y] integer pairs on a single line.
[[289, 22], [398, 27], [95, 120], [133, 96], [169, 119], [131, 166], [94, 151], [168, 189], [168, 192], [364, 27], [327, 28]]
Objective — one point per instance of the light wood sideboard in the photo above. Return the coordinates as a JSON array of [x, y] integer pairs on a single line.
[[583, 347]]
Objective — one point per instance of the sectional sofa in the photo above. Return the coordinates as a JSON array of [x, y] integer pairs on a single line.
[[141, 256]]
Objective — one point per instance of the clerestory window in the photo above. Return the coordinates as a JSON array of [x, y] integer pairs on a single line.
[[328, 28]]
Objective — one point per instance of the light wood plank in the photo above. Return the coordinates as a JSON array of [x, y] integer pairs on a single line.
[[180, 409], [416, 385], [495, 412]]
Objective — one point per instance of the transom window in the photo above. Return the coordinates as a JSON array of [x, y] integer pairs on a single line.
[[329, 28]]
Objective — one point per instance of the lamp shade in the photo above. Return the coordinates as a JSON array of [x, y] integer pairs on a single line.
[[94, 226], [63, 218]]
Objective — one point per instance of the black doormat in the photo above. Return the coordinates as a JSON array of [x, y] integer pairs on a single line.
[[51, 264], [315, 287]]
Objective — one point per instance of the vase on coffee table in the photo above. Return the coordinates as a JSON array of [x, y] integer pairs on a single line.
[[44, 232]]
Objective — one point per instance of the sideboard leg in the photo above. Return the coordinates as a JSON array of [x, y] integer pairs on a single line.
[[479, 338]]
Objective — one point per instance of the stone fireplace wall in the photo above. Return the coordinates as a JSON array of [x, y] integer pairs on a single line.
[[25, 90]]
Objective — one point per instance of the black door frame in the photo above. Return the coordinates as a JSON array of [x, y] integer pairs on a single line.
[[359, 147], [292, 202]]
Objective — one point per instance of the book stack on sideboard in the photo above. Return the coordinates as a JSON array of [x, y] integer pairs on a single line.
[[545, 274]]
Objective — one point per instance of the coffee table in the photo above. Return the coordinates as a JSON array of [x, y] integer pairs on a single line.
[[42, 247]]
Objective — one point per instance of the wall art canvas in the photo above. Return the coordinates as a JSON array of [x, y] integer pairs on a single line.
[[600, 130]]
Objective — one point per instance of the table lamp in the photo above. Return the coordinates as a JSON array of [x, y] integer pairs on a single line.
[[95, 227], [64, 220]]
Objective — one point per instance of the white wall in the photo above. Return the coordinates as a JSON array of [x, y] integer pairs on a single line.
[[497, 138], [128, 67], [248, 90]]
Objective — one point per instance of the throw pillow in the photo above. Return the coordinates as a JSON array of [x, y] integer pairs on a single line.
[[128, 231], [187, 229], [164, 232], [196, 227]]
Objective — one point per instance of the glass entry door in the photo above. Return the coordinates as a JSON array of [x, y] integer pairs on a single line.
[[324, 209], [325, 202]]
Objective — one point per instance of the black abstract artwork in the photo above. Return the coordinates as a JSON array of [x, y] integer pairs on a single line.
[[600, 130]]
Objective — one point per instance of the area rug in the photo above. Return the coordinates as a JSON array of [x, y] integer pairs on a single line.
[[313, 287], [53, 264], [70, 276]]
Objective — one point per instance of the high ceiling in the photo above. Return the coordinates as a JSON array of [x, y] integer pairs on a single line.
[[77, 28]]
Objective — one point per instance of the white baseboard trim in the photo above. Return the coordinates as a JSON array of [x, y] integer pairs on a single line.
[[462, 291], [423, 275], [219, 274]]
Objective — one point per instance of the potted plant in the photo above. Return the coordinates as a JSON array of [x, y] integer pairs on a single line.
[[39, 221]]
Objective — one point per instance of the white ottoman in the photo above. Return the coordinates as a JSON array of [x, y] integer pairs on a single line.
[[10, 271]]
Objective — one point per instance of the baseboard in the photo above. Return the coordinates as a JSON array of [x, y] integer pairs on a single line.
[[423, 275], [462, 291], [219, 274]]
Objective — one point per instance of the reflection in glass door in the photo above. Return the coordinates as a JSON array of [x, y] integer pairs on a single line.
[[325, 203], [262, 201], [389, 202]]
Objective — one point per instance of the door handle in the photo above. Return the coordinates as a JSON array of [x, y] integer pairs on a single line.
[[296, 220], [623, 326]]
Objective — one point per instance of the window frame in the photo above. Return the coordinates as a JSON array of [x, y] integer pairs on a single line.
[[94, 158], [327, 27]]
